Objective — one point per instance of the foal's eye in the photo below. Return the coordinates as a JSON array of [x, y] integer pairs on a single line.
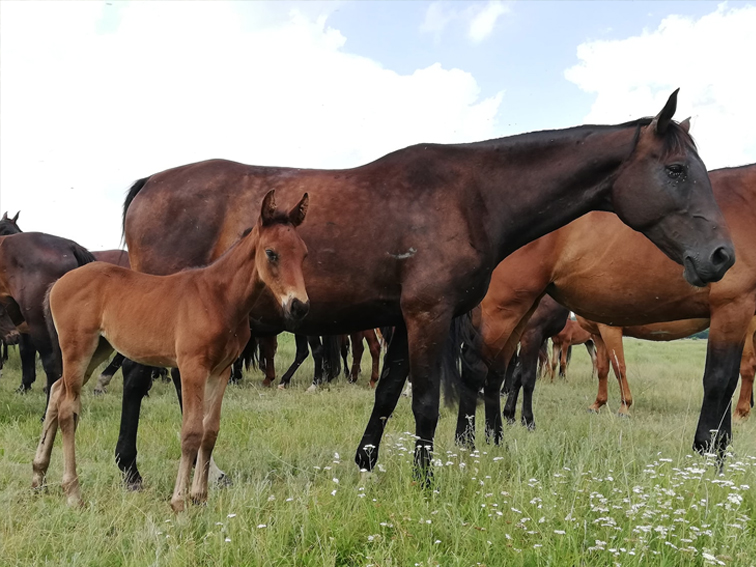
[[675, 171], [272, 256]]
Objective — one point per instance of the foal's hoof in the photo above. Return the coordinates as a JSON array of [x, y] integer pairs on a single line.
[[177, 505]]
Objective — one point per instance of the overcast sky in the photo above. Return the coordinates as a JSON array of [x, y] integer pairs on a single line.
[[94, 95]]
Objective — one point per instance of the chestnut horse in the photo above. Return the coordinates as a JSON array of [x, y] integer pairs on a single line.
[[561, 347], [411, 239], [611, 352], [606, 272], [195, 320], [29, 263]]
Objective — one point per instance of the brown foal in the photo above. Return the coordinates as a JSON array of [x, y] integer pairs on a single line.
[[196, 320]]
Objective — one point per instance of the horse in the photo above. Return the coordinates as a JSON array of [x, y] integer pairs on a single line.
[[411, 239], [29, 263], [374, 347], [608, 340], [9, 225], [561, 347], [606, 272], [195, 320]]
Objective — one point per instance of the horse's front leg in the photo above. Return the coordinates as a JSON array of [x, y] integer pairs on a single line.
[[729, 323], [194, 376], [387, 393], [214, 390]]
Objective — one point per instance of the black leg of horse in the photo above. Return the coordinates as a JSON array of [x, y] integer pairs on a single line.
[[474, 372], [512, 385], [176, 377], [28, 355], [528, 370], [136, 383], [236, 371], [303, 351], [387, 393], [492, 402], [107, 375], [317, 354]]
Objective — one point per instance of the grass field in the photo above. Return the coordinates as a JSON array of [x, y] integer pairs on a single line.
[[581, 490]]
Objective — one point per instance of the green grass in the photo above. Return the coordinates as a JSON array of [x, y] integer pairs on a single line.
[[581, 490]]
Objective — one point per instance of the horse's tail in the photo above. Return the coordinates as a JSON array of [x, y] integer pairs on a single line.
[[332, 355], [138, 184], [82, 255], [462, 358], [51, 330]]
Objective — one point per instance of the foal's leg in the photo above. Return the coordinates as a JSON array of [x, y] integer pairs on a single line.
[[747, 371], [49, 428], [357, 351], [80, 358], [214, 389], [395, 371], [194, 376]]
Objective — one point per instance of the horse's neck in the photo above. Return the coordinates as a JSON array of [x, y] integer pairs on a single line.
[[536, 183], [234, 274]]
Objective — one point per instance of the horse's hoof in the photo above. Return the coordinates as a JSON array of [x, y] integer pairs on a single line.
[[623, 415], [267, 383], [22, 389], [224, 481], [592, 410], [282, 386], [134, 484], [177, 505], [312, 388], [98, 392]]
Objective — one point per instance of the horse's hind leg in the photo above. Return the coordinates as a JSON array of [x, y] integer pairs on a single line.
[[28, 355], [375, 354], [612, 337], [136, 384], [747, 371], [80, 359], [358, 349], [103, 381], [49, 428], [214, 389]]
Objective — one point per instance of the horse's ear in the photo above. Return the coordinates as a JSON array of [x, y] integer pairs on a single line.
[[16, 217], [661, 121], [268, 211], [297, 214], [685, 125], [5, 216]]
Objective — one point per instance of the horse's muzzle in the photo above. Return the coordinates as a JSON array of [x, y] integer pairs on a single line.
[[699, 271]]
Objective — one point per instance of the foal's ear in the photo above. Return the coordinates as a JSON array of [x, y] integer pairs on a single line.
[[661, 121], [685, 125], [297, 214], [268, 211], [16, 217]]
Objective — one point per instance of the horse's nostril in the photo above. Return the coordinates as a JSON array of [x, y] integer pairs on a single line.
[[299, 308], [721, 256]]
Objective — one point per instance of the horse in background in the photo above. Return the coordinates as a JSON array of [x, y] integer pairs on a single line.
[[611, 353], [167, 321], [561, 348], [411, 239]]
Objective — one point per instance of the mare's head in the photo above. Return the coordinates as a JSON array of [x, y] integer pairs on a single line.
[[663, 191], [280, 253], [8, 225]]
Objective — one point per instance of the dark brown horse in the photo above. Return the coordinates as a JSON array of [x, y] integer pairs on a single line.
[[195, 320], [411, 239], [606, 272], [29, 263], [9, 225]]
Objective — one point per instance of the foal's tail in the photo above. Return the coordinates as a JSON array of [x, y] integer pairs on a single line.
[[462, 358], [51, 330]]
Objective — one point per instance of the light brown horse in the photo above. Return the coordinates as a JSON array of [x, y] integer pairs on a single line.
[[374, 346], [604, 271], [562, 343], [611, 352], [195, 320]]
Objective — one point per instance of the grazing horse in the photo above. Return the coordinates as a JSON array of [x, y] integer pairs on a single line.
[[562, 343], [411, 239], [611, 352], [606, 272], [29, 263], [195, 320]]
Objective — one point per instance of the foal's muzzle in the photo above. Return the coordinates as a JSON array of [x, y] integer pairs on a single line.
[[296, 310]]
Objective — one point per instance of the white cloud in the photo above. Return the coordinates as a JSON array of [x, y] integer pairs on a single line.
[[711, 59], [479, 18], [85, 112], [484, 21]]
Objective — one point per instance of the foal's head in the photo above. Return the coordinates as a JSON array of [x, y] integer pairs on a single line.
[[280, 253]]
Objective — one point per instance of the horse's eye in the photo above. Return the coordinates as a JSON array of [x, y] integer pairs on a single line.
[[272, 256], [675, 170]]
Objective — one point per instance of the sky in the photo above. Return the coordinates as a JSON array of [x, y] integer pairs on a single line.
[[97, 94]]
